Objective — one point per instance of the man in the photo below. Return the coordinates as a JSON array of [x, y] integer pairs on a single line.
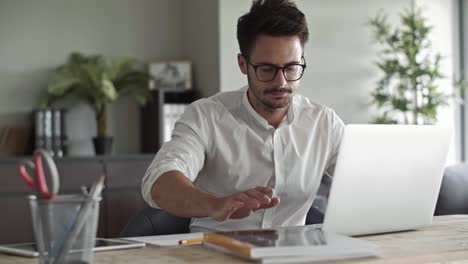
[[251, 158]]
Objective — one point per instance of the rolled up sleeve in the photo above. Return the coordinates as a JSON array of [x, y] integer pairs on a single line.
[[185, 152]]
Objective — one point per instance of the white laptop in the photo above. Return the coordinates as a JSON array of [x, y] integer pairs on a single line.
[[387, 178]]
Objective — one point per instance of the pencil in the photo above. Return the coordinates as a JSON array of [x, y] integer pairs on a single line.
[[191, 241]]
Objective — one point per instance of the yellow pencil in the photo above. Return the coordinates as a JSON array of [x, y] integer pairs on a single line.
[[191, 241]]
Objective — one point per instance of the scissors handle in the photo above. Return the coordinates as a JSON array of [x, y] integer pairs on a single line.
[[42, 155], [24, 173], [40, 181]]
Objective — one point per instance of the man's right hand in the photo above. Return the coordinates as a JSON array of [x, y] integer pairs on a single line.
[[243, 204]]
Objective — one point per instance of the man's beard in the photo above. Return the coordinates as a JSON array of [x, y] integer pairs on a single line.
[[269, 105]]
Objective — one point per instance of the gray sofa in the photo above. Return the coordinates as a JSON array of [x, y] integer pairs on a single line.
[[453, 196]]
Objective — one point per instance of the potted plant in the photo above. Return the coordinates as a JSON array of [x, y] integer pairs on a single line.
[[99, 83], [408, 91]]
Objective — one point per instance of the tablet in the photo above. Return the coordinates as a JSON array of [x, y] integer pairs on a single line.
[[29, 249]]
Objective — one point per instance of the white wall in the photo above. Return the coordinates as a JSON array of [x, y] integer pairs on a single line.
[[465, 63], [200, 43], [442, 14], [229, 12], [37, 36]]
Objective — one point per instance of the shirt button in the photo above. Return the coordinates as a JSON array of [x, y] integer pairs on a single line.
[[275, 135]]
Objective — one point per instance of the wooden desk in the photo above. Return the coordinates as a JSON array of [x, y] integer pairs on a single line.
[[446, 241]]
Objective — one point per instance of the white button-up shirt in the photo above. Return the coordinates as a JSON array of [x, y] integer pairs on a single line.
[[224, 146]]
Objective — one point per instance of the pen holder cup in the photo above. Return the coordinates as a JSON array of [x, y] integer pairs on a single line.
[[54, 222]]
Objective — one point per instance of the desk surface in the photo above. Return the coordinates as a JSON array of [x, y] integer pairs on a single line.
[[446, 241]]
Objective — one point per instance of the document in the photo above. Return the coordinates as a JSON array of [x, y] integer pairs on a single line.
[[165, 240]]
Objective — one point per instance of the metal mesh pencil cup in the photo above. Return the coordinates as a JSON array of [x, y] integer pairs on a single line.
[[53, 221]]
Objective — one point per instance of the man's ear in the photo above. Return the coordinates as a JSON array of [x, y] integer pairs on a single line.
[[242, 63]]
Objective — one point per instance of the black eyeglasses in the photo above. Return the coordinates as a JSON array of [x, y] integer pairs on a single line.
[[267, 72]]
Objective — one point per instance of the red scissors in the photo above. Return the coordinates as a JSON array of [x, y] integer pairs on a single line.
[[38, 168]]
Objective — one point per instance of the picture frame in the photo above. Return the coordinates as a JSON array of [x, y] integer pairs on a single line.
[[170, 75]]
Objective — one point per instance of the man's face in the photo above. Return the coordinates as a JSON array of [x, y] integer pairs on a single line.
[[274, 50]]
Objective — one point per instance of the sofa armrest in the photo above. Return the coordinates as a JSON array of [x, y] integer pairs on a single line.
[[453, 195]]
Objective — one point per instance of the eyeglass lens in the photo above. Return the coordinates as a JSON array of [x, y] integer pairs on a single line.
[[291, 72]]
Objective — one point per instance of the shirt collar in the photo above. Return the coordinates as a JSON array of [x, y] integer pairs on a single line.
[[288, 119]]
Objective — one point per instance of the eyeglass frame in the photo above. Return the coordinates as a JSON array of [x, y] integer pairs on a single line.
[[256, 66]]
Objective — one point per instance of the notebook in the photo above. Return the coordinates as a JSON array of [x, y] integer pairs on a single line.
[[289, 244]]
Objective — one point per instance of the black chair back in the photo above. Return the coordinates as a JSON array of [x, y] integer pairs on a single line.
[[152, 222]]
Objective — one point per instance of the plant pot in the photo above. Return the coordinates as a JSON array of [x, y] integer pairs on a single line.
[[102, 145]]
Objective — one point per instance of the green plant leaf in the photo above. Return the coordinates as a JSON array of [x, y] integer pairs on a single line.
[[108, 89], [92, 79], [61, 84], [117, 69], [410, 69]]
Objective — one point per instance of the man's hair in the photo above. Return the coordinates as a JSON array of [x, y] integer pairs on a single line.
[[272, 18]]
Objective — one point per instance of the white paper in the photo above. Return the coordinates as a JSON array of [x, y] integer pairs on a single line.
[[165, 240]]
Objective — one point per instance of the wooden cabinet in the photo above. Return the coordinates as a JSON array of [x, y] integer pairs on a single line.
[[15, 222], [121, 199]]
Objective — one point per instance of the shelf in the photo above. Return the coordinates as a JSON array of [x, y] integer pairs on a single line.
[[145, 156]]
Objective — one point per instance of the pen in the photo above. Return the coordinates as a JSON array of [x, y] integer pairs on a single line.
[[191, 241]]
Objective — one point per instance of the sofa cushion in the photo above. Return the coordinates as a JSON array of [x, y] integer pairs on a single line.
[[453, 195]]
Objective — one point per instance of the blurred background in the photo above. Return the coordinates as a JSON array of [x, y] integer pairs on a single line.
[[101, 83], [36, 37]]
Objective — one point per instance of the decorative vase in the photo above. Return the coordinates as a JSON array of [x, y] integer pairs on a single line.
[[102, 145]]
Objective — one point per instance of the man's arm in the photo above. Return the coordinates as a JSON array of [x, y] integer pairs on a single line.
[[175, 193]]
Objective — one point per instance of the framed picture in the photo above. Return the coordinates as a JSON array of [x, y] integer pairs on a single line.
[[171, 75]]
